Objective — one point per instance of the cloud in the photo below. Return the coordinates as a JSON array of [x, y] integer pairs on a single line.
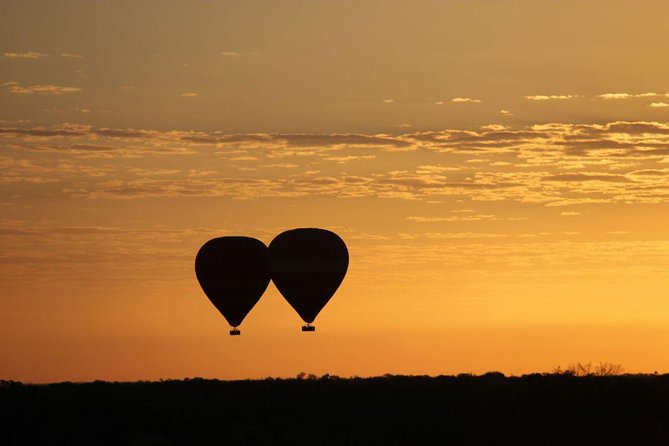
[[658, 105], [547, 173], [545, 164], [55, 90], [615, 96], [271, 145], [189, 95], [346, 159], [465, 100], [626, 95], [72, 56], [462, 235], [453, 218], [280, 166], [388, 101], [495, 127], [650, 172], [506, 112], [587, 177], [543, 97], [229, 53], [330, 141], [27, 55], [67, 110]]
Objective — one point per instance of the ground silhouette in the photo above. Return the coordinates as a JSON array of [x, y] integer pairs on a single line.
[[491, 409]]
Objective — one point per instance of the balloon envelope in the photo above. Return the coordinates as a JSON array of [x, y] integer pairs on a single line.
[[307, 266], [233, 273]]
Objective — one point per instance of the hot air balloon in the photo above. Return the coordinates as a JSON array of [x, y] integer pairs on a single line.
[[307, 265], [233, 273]]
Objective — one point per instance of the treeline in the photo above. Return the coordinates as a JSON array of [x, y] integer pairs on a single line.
[[491, 409]]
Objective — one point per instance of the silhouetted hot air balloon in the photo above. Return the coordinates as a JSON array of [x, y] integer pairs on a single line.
[[233, 273], [307, 266]]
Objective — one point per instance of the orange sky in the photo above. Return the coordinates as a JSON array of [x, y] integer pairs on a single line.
[[498, 170]]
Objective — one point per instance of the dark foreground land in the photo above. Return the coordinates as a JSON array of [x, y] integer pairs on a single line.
[[463, 410]]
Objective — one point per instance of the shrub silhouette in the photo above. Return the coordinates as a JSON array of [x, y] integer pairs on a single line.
[[587, 369]]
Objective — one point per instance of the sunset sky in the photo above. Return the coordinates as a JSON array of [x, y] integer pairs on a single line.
[[498, 169]]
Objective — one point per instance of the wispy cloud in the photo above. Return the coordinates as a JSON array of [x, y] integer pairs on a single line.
[[40, 89], [229, 53], [67, 110], [626, 95], [658, 105], [346, 159], [453, 218], [72, 56], [550, 165], [189, 95], [550, 97], [465, 100], [27, 55], [388, 101]]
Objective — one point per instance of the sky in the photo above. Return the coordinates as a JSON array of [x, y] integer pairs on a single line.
[[499, 171]]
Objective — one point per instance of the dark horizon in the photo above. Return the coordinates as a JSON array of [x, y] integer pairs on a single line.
[[477, 410]]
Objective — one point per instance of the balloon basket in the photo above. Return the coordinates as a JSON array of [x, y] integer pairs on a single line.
[[235, 332], [308, 328]]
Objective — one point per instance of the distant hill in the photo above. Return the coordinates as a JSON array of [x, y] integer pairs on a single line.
[[491, 409]]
